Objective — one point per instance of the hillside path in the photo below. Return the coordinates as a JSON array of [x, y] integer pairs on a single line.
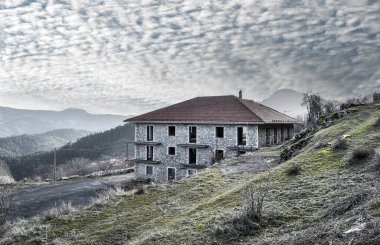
[[254, 162]]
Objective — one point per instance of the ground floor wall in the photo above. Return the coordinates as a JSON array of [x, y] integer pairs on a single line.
[[270, 135]]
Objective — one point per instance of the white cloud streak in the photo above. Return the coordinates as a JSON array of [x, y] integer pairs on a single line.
[[132, 56]]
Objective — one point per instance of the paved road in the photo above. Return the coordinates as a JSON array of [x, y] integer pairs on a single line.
[[36, 200]]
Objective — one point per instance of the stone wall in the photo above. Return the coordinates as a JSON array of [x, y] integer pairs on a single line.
[[206, 135]]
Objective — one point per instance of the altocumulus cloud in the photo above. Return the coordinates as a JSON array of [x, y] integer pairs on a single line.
[[132, 56]]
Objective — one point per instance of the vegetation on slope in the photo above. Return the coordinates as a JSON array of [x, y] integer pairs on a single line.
[[328, 201], [109, 143]]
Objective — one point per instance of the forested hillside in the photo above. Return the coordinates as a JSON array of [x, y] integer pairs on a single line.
[[108, 144], [27, 144]]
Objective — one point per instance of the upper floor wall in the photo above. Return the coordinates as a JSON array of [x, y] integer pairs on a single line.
[[206, 134]]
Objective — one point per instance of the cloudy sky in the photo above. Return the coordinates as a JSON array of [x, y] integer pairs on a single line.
[[128, 57]]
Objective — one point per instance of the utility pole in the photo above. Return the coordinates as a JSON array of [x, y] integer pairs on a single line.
[[55, 162]]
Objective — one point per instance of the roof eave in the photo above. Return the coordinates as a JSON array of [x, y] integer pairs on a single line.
[[195, 122]]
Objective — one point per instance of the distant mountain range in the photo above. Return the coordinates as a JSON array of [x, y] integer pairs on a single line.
[[20, 121], [286, 101], [26, 144]]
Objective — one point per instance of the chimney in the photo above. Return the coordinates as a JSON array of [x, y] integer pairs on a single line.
[[240, 94]]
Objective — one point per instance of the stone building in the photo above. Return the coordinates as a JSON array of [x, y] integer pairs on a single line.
[[176, 141]]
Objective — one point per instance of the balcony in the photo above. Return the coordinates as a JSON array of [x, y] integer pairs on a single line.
[[139, 161], [193, 166], [242, 148], [193, 146]]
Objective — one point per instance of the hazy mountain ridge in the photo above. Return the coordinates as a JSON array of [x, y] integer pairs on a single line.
[[287, 101], [20, 121], [26, 144]]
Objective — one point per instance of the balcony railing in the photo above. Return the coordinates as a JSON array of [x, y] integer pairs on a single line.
[[242, 148], [193, 146], [139, 161]]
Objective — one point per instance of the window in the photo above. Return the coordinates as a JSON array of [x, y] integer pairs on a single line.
[[149, 133], [219, 132], [191, 172], [192, 156], [192, 134], [149, 153], [149, 170], [171, 130], [171, 150]]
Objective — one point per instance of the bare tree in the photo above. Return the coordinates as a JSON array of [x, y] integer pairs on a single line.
[[315, 107], [331, 106]]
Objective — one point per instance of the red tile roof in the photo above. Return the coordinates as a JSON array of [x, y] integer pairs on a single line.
[[229, 109]]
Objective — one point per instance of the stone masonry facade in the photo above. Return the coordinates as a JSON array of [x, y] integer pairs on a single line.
[[206, 135]]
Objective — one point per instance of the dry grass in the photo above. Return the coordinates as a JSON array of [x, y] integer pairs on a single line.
[[64, 208], [105, 197]]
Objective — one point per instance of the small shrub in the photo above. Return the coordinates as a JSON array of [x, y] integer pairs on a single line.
[[139, 190], [294, 170], [248, 219], [360, 155], [340, 144]]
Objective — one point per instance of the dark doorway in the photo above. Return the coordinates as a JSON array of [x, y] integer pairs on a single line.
[[241, 136], [267, 136], [192, 156], [219, 155], [282, 135], [171, 174], [149, 153], [192, 134], [275, 136]]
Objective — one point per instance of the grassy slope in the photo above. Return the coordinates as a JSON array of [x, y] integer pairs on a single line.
[[299, 208]]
